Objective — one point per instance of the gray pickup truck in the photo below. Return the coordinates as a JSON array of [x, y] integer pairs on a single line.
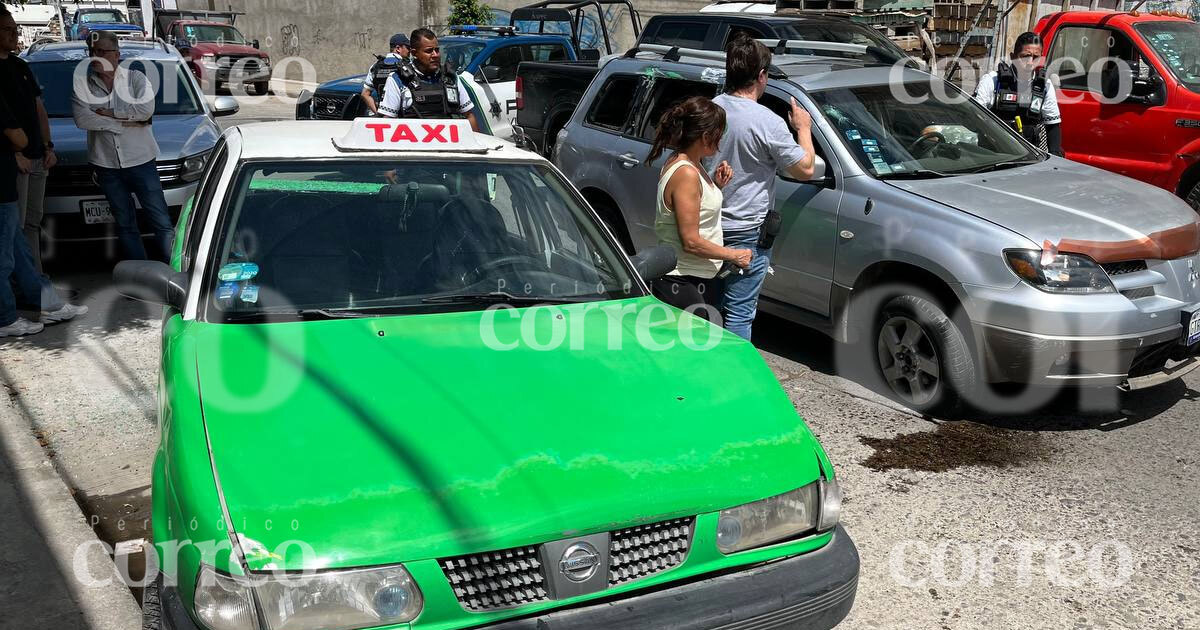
[[949, 251]]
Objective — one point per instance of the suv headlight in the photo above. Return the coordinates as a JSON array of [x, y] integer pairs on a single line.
[[332, 600], [1053, 272], [193, 167]]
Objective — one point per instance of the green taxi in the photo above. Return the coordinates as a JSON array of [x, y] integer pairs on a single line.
[[409, 380]]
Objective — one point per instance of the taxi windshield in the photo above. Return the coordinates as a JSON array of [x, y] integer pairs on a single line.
[[927, 135], [342, 239]]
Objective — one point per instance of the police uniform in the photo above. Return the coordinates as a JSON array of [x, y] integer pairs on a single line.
[[388, 63], [434, 98], [1035, 102]]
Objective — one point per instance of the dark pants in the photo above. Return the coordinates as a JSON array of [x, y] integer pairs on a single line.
[[17, 270], [119, 186], [691, 294]]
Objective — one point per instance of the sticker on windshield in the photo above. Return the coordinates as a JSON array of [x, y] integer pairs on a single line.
[[250, 293], [236, 272], [882, 168], [870, 149], [852, 134], [870, 142], [226, 290]]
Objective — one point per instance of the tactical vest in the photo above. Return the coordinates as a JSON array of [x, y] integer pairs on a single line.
[[383, 68], [1009, 104], [433, 99]]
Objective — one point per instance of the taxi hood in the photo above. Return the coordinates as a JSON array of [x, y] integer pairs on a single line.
[[1062, 201], [389, 439]]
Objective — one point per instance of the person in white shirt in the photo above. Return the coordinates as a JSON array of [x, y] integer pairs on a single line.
[[399, 53], [114, 105], [430, 93]]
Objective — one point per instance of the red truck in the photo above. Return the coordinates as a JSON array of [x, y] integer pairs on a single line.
[[1143, 123], [216, 51]]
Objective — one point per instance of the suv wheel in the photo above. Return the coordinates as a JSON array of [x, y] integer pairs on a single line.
[[921, 354]]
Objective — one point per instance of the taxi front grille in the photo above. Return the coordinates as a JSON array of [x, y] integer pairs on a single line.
[[642, 551], [497, 579]]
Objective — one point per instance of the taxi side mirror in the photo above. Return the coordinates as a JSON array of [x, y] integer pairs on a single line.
[[151, 281], [655, 262]]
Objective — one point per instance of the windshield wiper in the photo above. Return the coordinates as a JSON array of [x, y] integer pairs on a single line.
[[1001, 165], [503, 297], [921, 173]]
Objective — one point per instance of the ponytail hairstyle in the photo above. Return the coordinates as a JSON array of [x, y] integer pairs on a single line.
[[697, 118]]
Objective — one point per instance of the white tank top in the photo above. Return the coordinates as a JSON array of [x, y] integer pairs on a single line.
[[667, 229]]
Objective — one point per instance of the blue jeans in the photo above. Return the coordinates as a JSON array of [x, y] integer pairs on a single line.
[[17, 269], [119, 184], [740, 303]]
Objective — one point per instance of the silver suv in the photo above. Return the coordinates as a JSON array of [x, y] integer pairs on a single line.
[[946, 248]]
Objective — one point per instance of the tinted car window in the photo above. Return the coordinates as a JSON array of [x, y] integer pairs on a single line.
[[460, 54], [880, 48], [666, 94], [506, 59], [174, 96], [612, 107], [545, 52], [682, 34]]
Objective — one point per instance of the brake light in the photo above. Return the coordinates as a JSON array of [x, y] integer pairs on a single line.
[[520, 94]]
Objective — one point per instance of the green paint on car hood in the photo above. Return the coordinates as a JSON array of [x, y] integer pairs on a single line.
[[393, 439]]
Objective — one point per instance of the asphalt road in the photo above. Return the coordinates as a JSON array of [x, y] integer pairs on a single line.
[[1049, 518]]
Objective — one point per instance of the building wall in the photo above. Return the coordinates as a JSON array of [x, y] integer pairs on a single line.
[[339, 36]]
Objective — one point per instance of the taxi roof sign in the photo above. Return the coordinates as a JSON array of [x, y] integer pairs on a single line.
[[410, 134]]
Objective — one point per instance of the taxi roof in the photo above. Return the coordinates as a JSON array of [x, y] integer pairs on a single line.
[[301, 139]]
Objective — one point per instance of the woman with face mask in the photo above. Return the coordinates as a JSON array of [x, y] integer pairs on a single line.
[[1021, 94]]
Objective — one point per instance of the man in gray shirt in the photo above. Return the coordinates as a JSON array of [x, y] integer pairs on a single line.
[[757, 144]]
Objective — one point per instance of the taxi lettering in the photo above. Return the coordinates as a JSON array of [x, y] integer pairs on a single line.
[[444, 134]]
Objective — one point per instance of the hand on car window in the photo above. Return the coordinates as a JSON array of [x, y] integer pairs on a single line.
[[799, 118]]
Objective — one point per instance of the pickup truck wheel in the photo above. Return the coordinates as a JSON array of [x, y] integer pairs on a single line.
[[552, 136], [921, 354], [1193, 197], [262, 88], [151, 607]]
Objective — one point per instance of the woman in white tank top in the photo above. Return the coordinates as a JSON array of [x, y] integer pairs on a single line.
[[688, 217]]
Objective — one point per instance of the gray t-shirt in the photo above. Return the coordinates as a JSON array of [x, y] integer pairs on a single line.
[[756, 144]]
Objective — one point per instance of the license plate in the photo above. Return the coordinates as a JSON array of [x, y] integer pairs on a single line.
[[96, 212], [1193, 332]]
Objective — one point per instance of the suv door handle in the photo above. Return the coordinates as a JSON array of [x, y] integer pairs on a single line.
[[628, 161]]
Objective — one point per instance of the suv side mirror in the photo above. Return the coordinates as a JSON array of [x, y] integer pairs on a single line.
[[491, 74], [820, 173], [151, 281], [225, 106], [655, 262]]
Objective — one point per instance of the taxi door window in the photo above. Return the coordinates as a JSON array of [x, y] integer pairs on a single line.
[[506, 59], [611, 109], [665, 95]]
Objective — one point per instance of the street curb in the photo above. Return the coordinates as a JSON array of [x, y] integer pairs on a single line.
[[65, 530]]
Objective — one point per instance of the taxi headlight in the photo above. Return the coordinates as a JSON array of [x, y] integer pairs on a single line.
[[329, 600], [1053, 272], [769, 520]]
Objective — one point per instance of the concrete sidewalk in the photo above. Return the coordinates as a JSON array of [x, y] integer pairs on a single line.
[[43, 536]]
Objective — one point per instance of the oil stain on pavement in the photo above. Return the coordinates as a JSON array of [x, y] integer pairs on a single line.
[[954, 445]]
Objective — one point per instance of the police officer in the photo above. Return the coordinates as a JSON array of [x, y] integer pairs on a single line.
[[1021, 95], [379, 72], [428, 90]]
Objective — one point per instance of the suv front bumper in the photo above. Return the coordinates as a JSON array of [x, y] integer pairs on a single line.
[[814, 591]]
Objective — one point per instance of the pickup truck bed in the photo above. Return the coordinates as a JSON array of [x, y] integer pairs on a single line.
[[547, 95]]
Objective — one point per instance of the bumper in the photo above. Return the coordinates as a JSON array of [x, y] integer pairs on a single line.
[[63, 220], [1132, 361], [814, 591]]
